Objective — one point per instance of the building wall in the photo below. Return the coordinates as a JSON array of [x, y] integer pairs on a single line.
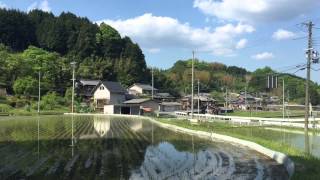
[[108, 109], [117, 98], [3, 92], [101, 94], [136, 88], [170, 108], [151, 104]]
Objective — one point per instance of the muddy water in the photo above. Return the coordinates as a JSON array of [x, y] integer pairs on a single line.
[[96, 147]]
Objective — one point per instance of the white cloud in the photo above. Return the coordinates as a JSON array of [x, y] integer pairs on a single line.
[[32, 6], [165, 32], [3, 5], [153, 50], [282, 34], [241, 44], [44, 6], [263, 56], [256, 10]]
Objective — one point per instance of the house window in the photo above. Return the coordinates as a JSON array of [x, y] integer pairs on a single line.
[[101, 88]]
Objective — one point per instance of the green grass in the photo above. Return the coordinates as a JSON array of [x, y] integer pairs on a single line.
[[266, 114], [24, 112], [307, 166]]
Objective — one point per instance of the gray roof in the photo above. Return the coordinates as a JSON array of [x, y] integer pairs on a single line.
[[89, 82], [144, 86], [171, 104], [114, 87], [136, 101]]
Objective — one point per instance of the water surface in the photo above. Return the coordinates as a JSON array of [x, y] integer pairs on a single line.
[[102, 147]]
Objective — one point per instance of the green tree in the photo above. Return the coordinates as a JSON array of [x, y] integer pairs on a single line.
[[25, 86]]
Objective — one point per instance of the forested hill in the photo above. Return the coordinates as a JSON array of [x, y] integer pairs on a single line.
[[216, 77], [100, 51]]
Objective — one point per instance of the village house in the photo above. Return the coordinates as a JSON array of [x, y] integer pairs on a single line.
[[108, 93], [85, 88], [141, 89], [147, 105]]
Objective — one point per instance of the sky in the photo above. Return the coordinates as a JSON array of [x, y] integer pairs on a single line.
[[246, 33]]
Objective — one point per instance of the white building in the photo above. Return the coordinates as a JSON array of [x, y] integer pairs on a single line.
[[108, 93], [141, 89]]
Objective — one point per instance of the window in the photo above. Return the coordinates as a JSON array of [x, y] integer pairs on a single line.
[[101, 88]]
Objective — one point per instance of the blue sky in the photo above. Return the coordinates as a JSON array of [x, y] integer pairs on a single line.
[[246, 33]]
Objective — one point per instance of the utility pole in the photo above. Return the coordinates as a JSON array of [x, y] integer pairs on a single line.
[[198, 97], [152, 82], [192, 71], [73, 64], [226, 97], [309, 56], [39, 92], [283, 106], [245, 96]]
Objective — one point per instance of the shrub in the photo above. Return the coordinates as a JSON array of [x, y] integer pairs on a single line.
[[50, 101], [5, 108]]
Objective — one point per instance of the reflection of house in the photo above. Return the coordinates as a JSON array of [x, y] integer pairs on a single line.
[[101, 125], [147, 105], [141, 89], [135, 125], [108, 92], [85, 87], [170, 106]]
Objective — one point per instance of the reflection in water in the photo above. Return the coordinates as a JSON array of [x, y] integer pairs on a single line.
[[114, 148], [306, 141], [101, 125]]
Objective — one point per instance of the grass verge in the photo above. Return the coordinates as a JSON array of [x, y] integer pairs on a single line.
[[306, 166]]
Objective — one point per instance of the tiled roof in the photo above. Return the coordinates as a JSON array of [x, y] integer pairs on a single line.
[[144, 86], [89, 82], [114, 87], [136, 101]]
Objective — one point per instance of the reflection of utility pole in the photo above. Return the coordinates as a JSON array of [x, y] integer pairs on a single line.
[[152, 83], [283, 106], [309, 56], [39, 93], [73, 64], [192, 76], [198, 97]]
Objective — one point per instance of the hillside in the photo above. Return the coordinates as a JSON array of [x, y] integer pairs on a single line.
[[41, 42], [50, 43]]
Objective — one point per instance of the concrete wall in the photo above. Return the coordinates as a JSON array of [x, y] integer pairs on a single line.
[[108, 109]]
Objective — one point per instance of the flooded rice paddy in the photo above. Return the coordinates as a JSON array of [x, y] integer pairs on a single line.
[[101, 147]]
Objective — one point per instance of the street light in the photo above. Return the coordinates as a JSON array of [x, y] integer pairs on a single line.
[[73, 65]]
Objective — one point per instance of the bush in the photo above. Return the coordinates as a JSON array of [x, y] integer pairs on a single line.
[[4, 108], [50, 101]]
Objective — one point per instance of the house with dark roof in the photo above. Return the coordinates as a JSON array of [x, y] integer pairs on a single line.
[[108, 93], [141, 89], [85, 87], [147, 105]]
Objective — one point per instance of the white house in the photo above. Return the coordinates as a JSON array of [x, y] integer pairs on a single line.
[[108, 93], [141, 89]]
